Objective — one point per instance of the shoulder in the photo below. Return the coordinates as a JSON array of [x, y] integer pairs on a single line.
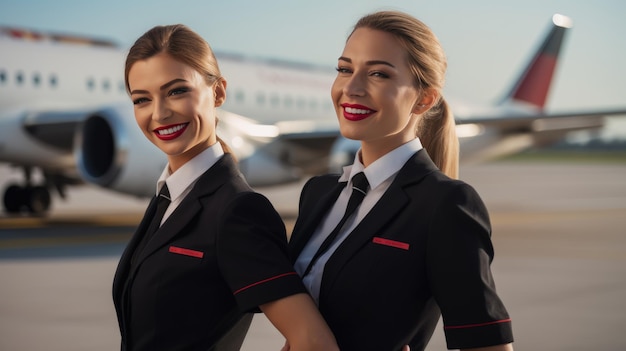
[[452, 192], [321, 182]]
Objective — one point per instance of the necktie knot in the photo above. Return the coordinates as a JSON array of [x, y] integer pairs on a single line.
[[360, 183], [165, 192]]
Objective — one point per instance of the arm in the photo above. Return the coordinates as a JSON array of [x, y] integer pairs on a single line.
[[460, 254], [253, 258], [297, 318]]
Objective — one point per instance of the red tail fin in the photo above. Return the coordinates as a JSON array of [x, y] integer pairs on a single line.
[[533, 86]]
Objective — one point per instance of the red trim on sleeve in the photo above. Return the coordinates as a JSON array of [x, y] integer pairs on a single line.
[[392, 243], [263, 281], [186, 252], [477, 324]]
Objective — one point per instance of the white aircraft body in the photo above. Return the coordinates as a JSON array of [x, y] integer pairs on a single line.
[[64, 113]]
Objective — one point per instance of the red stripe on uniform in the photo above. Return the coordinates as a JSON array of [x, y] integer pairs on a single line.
[[393, 243], [263, 281], [476, 325], [186, 252]]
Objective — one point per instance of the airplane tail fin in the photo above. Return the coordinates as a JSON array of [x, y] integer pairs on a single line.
[[533, 84]]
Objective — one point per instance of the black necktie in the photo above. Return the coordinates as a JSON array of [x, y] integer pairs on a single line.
[[359, 189], [163, 201]]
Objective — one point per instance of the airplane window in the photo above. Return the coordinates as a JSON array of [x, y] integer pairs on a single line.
[[328, 106], [53, 80], [90, 84], [36, 79], [312, 104], [106, 85], [301, 102], [3, 77], [121, 86], [260, 98], [274, 100], [239, 96], [19, 78], [288, 101]]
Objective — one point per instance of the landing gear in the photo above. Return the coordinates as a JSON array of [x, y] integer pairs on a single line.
[[30, 198], [33, 199]]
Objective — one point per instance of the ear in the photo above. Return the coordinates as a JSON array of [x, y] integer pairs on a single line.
[[427, 100], [220, 92]]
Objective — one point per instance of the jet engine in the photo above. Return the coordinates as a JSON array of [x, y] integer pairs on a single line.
[[112, 152]]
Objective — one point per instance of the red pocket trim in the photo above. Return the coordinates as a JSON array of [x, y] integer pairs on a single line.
[[392, 243], [186, 252]]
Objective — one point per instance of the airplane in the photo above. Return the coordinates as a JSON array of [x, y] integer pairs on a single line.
[[66, 117]]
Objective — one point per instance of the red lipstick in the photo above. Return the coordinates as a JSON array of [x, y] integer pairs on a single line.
[[171, 131], [356, 112]]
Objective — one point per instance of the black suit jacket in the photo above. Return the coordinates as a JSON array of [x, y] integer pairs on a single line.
[[200, 272], [425, 245]]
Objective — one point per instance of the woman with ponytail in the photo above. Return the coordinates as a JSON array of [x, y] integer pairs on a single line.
[[418, 245]]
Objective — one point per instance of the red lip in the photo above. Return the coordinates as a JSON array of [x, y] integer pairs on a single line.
[[352, 116], [176, 131]]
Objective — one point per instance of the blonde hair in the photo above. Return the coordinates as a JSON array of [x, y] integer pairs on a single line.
[[428, 64], [183, 45]]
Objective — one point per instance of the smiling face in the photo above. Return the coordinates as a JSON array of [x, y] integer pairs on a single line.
[[174, 106], [374, 93]]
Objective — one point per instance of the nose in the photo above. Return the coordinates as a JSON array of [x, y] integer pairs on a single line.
[[354, 85], [161, 110]]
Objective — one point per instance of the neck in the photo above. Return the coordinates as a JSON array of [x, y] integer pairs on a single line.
[[372, 150]]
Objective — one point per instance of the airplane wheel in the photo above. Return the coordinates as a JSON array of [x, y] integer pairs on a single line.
[[38, 200], [13, 199]]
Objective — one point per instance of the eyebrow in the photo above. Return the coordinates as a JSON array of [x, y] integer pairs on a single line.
[[369, 63], [162, 87]]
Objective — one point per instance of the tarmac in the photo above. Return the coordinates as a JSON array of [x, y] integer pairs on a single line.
[[559, 232]]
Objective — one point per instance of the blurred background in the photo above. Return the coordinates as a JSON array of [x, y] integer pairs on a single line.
[[487, 41], [558, 213]]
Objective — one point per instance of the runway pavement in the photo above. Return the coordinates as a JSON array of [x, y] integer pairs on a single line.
[[560, 264]]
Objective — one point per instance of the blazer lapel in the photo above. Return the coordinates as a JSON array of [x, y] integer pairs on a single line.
[[303, 232], [393, 201], [124, 266], [125, 259], [207, 184]]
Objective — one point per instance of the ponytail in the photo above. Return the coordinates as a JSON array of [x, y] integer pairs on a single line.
[[225, 147], [437, 132]]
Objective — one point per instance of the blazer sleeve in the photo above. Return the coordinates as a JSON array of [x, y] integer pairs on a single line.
[[460, 253], [252, 252]]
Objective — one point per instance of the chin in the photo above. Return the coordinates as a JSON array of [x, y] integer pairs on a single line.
[[349, 133]]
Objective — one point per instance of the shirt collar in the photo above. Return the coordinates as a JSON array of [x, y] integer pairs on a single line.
[[180, 180], [385, 167]]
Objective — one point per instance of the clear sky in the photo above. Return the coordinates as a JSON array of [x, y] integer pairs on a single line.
[[487, 41]]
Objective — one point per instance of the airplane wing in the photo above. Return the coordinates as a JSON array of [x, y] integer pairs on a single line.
[[78, 127], [307, 145], [485, 138], [557, 124]]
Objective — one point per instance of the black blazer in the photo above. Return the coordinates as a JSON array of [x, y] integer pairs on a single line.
[[202, 269], [425, 245]]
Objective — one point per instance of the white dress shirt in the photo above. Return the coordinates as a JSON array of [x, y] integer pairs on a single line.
[[380, 174], [182, 181]]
